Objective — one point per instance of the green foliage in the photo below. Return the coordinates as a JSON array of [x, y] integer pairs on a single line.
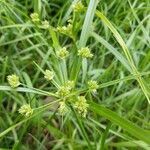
[[74, 74]]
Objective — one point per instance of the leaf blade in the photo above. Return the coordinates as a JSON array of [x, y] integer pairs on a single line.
[[132, 129]]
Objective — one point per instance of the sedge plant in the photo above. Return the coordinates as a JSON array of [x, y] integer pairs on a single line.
[[74, 74]]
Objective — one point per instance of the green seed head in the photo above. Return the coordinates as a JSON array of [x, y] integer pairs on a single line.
[[85, 52], [62, 53], [93, 85], [62, 108], [81, 106], [78, 7], [35, 17], [63, 91], [49, 75], [13, 80], [67, 30], [45, 24], [70, 84], [26, 110]]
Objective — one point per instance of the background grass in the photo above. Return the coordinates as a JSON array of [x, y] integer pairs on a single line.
[[117, 34]]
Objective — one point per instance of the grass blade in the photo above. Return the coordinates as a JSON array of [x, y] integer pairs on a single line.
[[126, 51], [134, 130], [112, 50], [87, 23]]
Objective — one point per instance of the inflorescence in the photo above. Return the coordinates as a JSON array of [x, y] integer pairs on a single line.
[[93, 85], [35, 17], [78, 7], [49, 75], [64, 91], [26, 110], [36, 20], [13, 80], [85, 52], [81, 106], [62, 53]]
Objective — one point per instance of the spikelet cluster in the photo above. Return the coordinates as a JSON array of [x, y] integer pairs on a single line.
[[49, 75], [45, 24], [85, 52], [81, 106], [63, 109], [78, 7], [26, 110], [93, 85], [62, 53], [35, 17], [70, 84], [13, 80], [65, 89], [67, 30]]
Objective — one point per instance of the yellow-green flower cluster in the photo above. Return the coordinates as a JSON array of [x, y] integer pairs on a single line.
[[78, 7], [26, 110], [81, 106], [70, 84], [35, 17], [85, 52], [92, 85], [70, 21], [62, 53], [62, 108], [65, 89], [49, 75], [45, 24], [13, 80], [67, 30]]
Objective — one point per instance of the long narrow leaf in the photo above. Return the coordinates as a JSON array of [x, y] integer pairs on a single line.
[[126, 51], [132, 129]]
